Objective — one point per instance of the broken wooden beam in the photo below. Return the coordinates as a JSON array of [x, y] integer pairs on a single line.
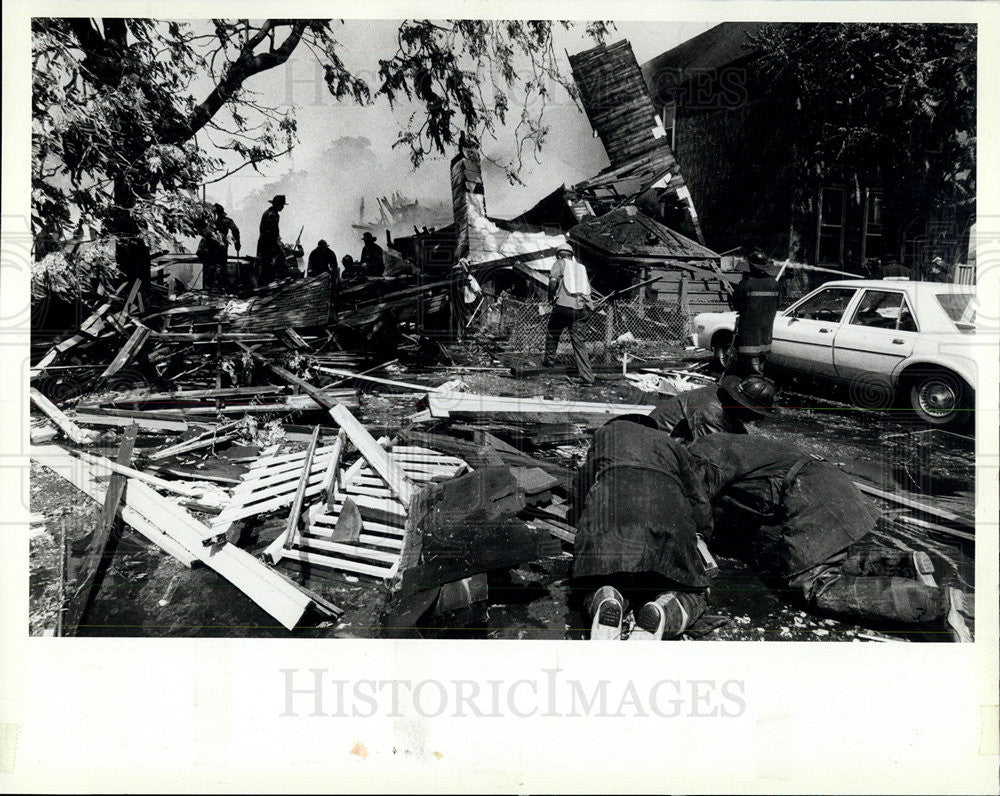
[[96, 542], [279, 598], [295, 515], [57, 416], [128, 351], [83, 477], [469, 403], [374, 454], [924, 508]]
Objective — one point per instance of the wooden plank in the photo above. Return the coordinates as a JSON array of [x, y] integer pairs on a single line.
[[330, 475], [485, 404], [277, 597], [931, 526], [924, 508], [331, 562], [345, 549], [83, 477], [285, 458], [187, 490], [349, 376], [206, 440], [97, 541], [324, 523], [295, 514], [373, 453], [57, 416], [146, 424], [128, 351]]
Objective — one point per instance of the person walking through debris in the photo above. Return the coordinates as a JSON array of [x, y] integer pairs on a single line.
[[322, 260], [571, 306], [723, 407], [465, 294], [213, 249], [352, 270], [639, 511], [810, 529], [755, 298], [372, 256], [270, 249]]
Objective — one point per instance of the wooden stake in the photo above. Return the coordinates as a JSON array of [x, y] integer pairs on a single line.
[[98, 539]]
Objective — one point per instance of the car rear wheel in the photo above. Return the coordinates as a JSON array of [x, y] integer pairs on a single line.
[[940, 398]]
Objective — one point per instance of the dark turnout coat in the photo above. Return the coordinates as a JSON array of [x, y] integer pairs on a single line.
[[818, 509], [693, 414], [755, 298], [642, 506]]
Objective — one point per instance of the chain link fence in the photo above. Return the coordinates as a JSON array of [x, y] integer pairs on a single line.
[[516, 325]]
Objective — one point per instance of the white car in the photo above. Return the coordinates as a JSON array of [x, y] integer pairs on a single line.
[[881, 337]]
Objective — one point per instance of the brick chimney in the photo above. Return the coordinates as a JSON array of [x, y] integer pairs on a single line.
[[469, 203]]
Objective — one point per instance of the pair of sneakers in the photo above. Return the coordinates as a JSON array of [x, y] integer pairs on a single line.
[[666, 614]]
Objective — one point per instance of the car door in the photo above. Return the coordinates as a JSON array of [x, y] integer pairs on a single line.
[[803, 335], [881, 331]]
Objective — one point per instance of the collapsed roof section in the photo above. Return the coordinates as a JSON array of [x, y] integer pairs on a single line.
[[643, 167], [628, 232]]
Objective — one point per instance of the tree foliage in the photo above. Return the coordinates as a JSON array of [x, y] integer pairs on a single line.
[[124, 110], [898, 100]]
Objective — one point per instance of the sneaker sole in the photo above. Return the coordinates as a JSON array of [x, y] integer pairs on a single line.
[[649, 623], [607, 624], [924, 568]]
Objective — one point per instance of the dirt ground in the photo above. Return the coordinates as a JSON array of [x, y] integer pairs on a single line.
[[146, 593]]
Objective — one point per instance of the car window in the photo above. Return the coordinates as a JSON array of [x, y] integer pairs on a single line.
[[907, 320], [827, 305], [960, 308], [884, 309]]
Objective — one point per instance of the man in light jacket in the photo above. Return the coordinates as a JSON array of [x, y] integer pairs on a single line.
[[569, 295]]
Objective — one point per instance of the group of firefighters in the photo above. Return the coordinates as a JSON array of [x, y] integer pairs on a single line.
[[272, 258]]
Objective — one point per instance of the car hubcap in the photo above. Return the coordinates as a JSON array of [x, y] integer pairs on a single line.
[[937, 398]]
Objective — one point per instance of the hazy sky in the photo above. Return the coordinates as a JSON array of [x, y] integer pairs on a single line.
[[345, 150]]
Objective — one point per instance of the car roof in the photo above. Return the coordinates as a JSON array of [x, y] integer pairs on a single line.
[[937, 287]]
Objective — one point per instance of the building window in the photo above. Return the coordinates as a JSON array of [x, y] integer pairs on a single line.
[[871, 242], [830, 226]]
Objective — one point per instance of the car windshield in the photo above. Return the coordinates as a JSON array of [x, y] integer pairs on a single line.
[[961, 310]]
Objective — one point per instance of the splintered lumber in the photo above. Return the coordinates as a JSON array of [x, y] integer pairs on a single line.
[[295, 515], [279, 598], [128, 351], [924, 508], [313, 392], [373, 453], [146, 424], [84, 477], [57, 416], [206, 439], [335, 562], [181, 489], [931, 526], [442, 405], [88, 329], [97, 541], [348, 376], [330, 476]]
